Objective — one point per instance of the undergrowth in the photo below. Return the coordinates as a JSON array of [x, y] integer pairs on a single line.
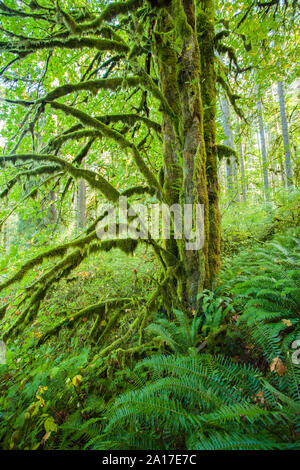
[[226, 377]]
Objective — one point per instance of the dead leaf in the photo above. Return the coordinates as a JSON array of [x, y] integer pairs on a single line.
[[45, 437], [287, 322], [278, 366]]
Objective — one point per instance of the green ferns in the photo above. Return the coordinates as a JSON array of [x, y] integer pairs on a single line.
[[266, 289], [200, 403]]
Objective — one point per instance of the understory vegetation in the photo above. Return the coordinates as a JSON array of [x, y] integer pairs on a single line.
[[221, 379], [173, 324]]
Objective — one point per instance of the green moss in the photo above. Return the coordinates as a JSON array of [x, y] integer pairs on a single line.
[[92, 85], [225, 152], [206, 40], [45, 169], [26, 47], [111, 11], [119, 138], [182, 27], [231, 96]]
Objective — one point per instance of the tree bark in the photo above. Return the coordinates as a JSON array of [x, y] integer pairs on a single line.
[[232, 184], [205, 30], [81, 205], [263, 150], [243, 172], [285, 135], [184, 142]]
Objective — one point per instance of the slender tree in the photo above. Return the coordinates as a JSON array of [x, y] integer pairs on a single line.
[[80, 218], [285, 134], [263, 149], [231, 172]]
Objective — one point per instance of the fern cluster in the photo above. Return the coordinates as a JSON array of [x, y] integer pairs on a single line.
[[200, 402], [266, 289]]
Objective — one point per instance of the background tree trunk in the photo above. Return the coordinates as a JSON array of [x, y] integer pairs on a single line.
[[263, 150], [232, 184], [81, 205], [243, 172], [285, 135]]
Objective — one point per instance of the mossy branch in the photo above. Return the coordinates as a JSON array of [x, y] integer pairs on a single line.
[[138, 190], [113, 134], [40, 170], [226, 152], [56, 142], [93, 86], [112, 10], [95, 180], [28, 47], [129, 119], [95, 309], [231, 96], [62, 269]]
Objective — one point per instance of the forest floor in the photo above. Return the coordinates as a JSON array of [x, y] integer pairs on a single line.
[[57, 395]]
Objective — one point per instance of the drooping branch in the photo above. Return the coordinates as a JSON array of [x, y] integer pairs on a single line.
[[95, 309], [113, 134], [113, 10], [95, 180], [231, 96], [28, 47], [40, 170]]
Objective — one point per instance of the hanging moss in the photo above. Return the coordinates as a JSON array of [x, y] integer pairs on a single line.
[[226, 152], [111, 11], [231, 96], [117, 136], [28, 46], [57, 251], [95, 180], [182, 27], [28, 173], [91, 85]]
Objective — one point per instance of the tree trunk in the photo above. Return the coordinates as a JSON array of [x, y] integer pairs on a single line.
[[232, 184], [243, 172], [205, 29], [53, 212], [263, 149], [285, 135], [185, 142], [81, 205]]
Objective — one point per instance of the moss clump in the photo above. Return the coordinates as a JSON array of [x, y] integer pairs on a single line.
[[226, 152]]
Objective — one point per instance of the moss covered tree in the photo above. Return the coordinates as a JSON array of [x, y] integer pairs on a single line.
[[160, 56]]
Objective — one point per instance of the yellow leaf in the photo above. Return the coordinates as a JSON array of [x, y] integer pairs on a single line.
[[76, 380], [287, 322], [50, 425]]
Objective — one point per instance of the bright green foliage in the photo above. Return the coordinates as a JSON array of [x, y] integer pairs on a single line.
[[265, 283], [138, 344], [201, 402]]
